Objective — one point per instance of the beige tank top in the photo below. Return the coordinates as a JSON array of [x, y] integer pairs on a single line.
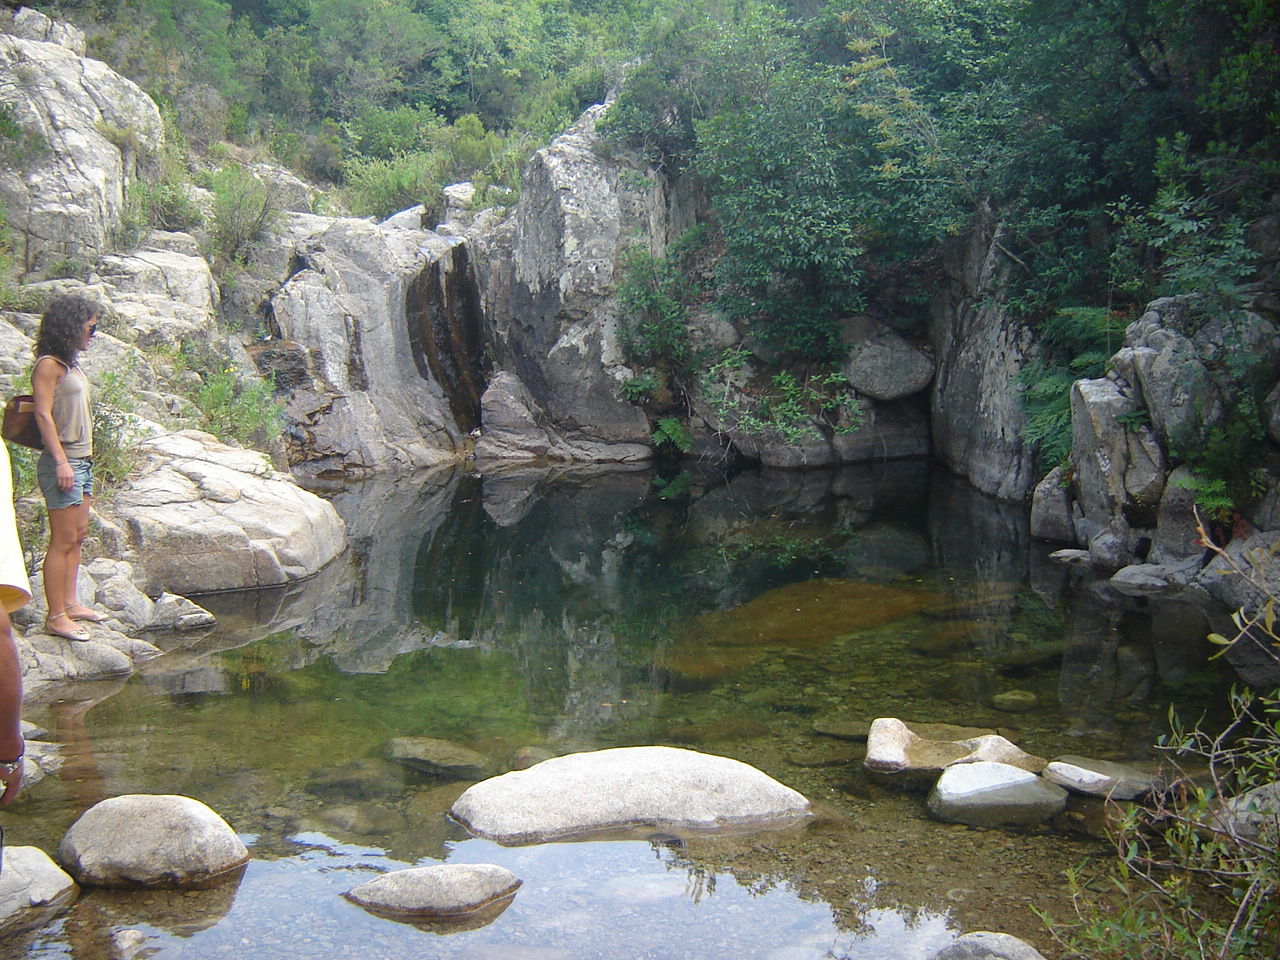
[[71, 412]]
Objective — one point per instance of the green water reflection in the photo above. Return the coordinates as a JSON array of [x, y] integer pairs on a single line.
[[534, 614]]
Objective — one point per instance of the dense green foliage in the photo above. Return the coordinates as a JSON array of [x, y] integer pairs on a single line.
[[1123, 146]]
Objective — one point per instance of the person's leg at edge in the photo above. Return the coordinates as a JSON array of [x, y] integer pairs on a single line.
[[75, 609], [11, 745], [68, 527]]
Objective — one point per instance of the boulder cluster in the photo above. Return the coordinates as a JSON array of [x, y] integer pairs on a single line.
[[987, 780]]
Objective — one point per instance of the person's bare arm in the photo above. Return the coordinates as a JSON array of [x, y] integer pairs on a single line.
[[44, 383]]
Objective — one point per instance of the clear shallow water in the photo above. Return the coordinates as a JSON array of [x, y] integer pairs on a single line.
[[570, 612]]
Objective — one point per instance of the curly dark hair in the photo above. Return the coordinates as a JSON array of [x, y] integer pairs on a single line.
[[62, 326]]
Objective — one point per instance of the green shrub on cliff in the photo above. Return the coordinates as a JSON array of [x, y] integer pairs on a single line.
[[1076, 342]]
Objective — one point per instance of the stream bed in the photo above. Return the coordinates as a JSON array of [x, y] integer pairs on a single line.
[[533, 613]]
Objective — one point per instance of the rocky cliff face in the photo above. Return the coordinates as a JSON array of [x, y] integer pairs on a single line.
[[1166, 396], [87, 133], [975, 407], [379, 346], [550, 276]]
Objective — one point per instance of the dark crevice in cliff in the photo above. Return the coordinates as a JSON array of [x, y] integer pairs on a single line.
[[446, 333]]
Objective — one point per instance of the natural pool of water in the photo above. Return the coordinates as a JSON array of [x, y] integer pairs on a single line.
[[563, 612]]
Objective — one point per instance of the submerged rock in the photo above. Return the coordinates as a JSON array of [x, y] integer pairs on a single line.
[[447, 890], [811, 613], [439, 758], [150, 840], [609, 790], [1099, 778], [986, 794], [1015, 701]]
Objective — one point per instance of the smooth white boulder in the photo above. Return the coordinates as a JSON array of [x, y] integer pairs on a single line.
[[32, 888], [150, 840], [660, 787], [443, 890], [988, 794]]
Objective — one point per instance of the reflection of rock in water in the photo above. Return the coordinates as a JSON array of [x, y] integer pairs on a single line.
[[182, 913]]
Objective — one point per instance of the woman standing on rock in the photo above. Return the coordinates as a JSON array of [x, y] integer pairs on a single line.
[[65, 468]]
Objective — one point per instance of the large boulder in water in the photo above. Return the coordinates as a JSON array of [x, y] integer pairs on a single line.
[[663, 788], [148, 840], [985, 945], [986, 794]]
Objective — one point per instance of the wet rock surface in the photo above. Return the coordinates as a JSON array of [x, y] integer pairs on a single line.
[[32, 889]]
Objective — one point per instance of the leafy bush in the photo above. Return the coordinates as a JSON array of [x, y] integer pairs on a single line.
[[788, 406], [385, 133], [19, 146], [115, 434], [242, 212], [655, 295], [379, 188], [241, 409], [641, 386]]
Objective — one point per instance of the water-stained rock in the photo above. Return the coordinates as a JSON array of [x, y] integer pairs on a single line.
[[663, 788]]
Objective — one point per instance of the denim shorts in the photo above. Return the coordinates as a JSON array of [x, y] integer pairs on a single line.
[[47, 474]]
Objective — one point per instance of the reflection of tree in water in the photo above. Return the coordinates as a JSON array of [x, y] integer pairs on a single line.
[[761, 869]]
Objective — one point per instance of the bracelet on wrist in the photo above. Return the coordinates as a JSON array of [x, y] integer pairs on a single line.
[[9, 767]]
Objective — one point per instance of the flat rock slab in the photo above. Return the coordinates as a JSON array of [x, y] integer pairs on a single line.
[[987, 794], [442, 891], [602, 791], [984, 945], [150, 840], [32, 889], [1099, 778], [439, 758]]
